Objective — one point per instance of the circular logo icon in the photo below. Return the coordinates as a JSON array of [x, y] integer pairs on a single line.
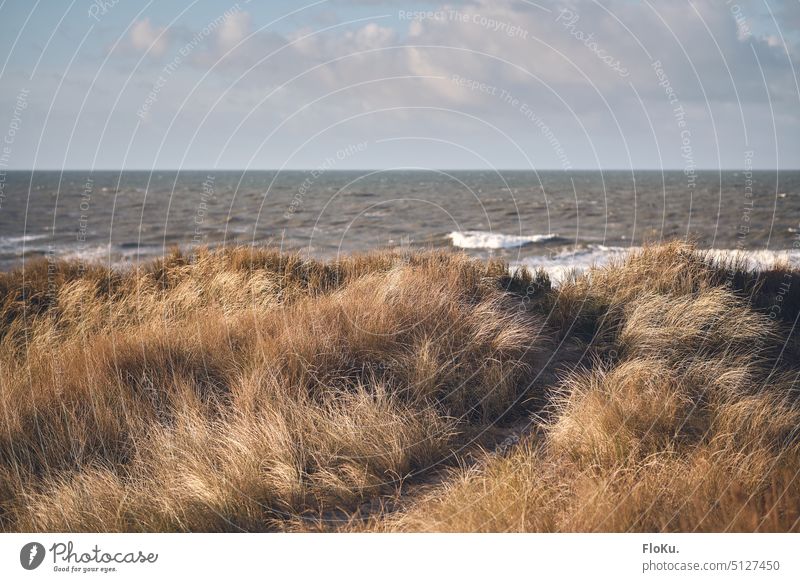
[[31, 555]]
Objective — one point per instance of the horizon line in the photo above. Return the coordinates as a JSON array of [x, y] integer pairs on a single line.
[[341, 170]]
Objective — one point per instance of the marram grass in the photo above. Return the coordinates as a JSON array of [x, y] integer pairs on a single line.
[[248, 390]]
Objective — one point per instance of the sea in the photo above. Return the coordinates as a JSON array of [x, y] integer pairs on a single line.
[[561, 221]]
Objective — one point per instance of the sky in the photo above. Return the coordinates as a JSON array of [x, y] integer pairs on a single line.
[[348, 84]]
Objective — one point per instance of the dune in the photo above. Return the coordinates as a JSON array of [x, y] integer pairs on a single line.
[[242, 389]]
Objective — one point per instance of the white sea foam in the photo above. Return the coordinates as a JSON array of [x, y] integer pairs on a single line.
[[758, 259], [89, 253], [111, 255], [14, 243], [20, 239], [560, 265], [479, 239]]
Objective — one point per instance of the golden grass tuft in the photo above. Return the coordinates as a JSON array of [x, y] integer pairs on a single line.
[[240, 390], [686, 417], [245, 389]]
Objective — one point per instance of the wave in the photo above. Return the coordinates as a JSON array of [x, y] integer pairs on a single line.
[[120, 255], [12, 244], [562, 265], [480, 239], [757, 259], [19, 239]]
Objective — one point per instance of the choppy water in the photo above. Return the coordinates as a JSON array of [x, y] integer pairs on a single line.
[[555, 219]]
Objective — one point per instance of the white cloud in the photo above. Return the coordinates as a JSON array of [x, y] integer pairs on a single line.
[[145, 37], [526, 60], [415, 28], [234, 29], [371, 36], [773, 41]]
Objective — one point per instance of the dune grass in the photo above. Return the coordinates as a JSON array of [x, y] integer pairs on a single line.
[[247, 390]]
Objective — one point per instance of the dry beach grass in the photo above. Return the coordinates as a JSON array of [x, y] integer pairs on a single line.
[[244, 389]]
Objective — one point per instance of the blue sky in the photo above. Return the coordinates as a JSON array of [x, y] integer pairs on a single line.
[[464, 84]]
